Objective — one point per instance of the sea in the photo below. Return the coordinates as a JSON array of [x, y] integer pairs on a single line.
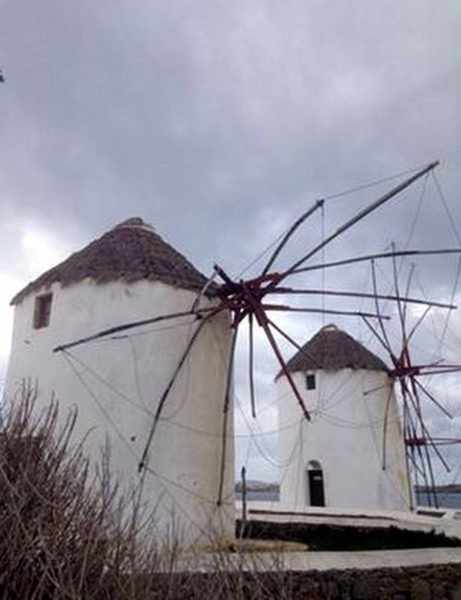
[[446, 500], [260, 495]]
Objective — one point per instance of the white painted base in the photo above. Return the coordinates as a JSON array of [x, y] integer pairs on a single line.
[[116, 384]]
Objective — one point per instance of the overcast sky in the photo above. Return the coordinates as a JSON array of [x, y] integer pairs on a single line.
[[219, 122]]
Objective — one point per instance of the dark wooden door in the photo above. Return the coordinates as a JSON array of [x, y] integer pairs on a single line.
[[316, 488]]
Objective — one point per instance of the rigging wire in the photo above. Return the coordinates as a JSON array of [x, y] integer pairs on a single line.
[[371, 184], [323, 255], [374, 432], [351, 425], [416, 216], [137, 382], [106, 383], [323, 281], [294, 453], [457, 235], [300, 459], [68, 357], [263, 451], [145, 332]]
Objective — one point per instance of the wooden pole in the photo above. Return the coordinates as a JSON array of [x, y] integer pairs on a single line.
[[131, 325], [244, 501], [357, 259], [293, 228], [361, 215], [347, 294], [251, 366], [345, 313], [169, 387], [227, 399]]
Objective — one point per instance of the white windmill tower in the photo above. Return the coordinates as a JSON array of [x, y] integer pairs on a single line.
[[338, 457], [116, 383]]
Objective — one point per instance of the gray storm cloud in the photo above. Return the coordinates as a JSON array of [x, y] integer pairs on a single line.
[[220, 122]]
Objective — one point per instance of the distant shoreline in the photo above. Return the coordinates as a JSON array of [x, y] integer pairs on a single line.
[[258, 486], [254, 485], [440, 489], [270, 490]]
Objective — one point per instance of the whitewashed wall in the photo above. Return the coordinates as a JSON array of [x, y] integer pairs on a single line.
[[127, 376], [345, 436]]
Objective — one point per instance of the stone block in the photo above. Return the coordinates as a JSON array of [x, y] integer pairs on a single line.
[[420, 590], [456, 592]]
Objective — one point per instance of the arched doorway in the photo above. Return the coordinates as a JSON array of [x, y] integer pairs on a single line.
[[315, 484]]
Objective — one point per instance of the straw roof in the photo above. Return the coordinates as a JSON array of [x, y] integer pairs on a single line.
[[334, 349], [131, 251]]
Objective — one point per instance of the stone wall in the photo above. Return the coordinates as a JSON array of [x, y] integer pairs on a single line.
[[416, 583], [433, 582], [333, 537]]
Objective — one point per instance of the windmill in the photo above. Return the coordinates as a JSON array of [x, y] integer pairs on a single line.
[[409, 378], [251, 300]]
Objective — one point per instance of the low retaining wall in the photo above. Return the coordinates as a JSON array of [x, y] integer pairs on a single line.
[[416, 583], [441, 582], [321, 536]]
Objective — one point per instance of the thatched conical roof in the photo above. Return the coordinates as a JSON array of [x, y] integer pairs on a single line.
[[334, 349], [131, 251]]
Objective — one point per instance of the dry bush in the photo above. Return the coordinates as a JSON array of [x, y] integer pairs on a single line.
[[67, 531]]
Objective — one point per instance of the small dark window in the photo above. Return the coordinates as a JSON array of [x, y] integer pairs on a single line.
[[310, 382], [42, 311]]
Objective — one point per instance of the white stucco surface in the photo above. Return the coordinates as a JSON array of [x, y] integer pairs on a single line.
[[345, 436], [448, 522], [326, 561], [115, 383]]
